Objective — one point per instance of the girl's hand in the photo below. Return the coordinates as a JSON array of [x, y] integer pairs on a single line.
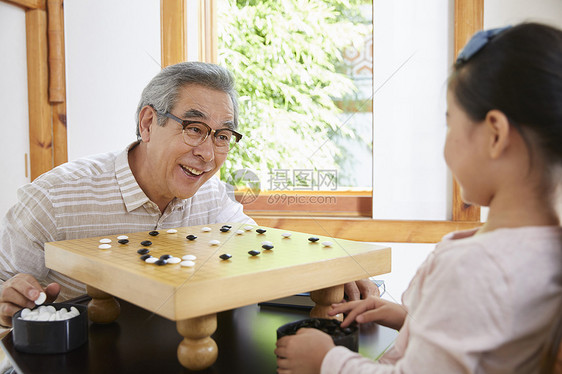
[[372, 309], [302, 353]]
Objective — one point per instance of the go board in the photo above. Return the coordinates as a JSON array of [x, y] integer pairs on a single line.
[[293, 265]]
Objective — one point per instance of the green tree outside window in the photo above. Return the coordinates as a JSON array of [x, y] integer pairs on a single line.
[[287, 58]]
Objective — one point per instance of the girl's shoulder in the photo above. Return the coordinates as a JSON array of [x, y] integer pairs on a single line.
[[510, 251]]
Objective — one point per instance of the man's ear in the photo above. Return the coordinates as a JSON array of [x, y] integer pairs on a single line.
[[498, 131], [147, 117]]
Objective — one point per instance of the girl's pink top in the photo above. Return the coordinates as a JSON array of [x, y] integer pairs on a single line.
[[478, 304]]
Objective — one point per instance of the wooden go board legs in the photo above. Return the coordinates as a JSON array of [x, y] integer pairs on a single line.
[[103, 308], [324, 298], [197, 350]]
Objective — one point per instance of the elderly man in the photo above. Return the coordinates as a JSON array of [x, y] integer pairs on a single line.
[[186, 124]]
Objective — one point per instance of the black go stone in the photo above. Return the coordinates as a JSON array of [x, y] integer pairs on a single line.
[[254, 253], [165, 257], [224, 229], [123, 241], [225, 256], [260, 231], [143, 251], [227, 226], [161, 262], [191, 237], [146, 243], [313, 239], [153, 233], [144, 257], [267, 246]]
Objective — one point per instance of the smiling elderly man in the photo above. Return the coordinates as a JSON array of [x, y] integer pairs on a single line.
[[186, 124]]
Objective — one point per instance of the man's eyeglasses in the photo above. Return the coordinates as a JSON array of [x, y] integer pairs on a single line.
[[195, 133]]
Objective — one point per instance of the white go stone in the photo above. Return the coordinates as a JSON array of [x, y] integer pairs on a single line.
[[239, 232], [104, 246], [188, 264], [214, 242], [121, 237], [327, 243], [189, 257], [41, 299], [248, 228], [44, 316], [48, 313], [174, 260], [151, 260], [206, 229], [172, 231], [266, 243], [105, 240], [286, 234]]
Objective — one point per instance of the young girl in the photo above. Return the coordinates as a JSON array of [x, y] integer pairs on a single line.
[[487, 300]]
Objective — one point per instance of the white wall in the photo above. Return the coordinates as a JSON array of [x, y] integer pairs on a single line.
[[413, 52], [112, 51], [411, 180], [499, 13], [14, 128]]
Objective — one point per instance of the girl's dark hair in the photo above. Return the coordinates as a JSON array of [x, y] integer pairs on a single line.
[[518, 72]]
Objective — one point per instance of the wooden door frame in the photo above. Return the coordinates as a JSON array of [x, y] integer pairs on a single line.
[[44, 24]]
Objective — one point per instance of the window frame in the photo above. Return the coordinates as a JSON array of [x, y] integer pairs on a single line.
[[47, 127], [356, 223]]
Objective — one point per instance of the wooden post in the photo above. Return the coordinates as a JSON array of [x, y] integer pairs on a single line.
[[28, 4], [40, 130], [208, 36], [173, 29], [57, 81], [469, 18]]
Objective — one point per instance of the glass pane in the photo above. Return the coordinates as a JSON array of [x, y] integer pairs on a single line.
[[304, 75]]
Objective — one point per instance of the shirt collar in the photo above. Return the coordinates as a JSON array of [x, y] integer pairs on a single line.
[[132, 194]]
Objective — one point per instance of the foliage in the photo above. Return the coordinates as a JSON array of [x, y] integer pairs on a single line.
[[286, 57]]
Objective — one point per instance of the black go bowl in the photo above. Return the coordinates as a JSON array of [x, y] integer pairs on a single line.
[[47, 337], [347, 337]]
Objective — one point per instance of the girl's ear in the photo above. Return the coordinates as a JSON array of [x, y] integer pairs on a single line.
[[147, 117], [499, 131]]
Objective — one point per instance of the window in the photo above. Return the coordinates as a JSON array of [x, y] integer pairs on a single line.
[[304, 74]]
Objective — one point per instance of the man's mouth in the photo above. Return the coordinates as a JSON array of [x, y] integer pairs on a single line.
[[191, 172]]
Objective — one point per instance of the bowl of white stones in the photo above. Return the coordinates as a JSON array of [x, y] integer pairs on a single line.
[[50, 328]]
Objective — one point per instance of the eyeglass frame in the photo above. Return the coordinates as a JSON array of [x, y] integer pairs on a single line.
[[210, 131]]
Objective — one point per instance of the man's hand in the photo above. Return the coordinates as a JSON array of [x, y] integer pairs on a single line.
[[361, 289], [20, 292], [302, 353]]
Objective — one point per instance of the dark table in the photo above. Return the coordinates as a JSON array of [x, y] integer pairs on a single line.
[[143, 342]]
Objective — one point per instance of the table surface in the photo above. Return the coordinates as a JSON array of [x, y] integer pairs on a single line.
[[142, 342], [294, 265]]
